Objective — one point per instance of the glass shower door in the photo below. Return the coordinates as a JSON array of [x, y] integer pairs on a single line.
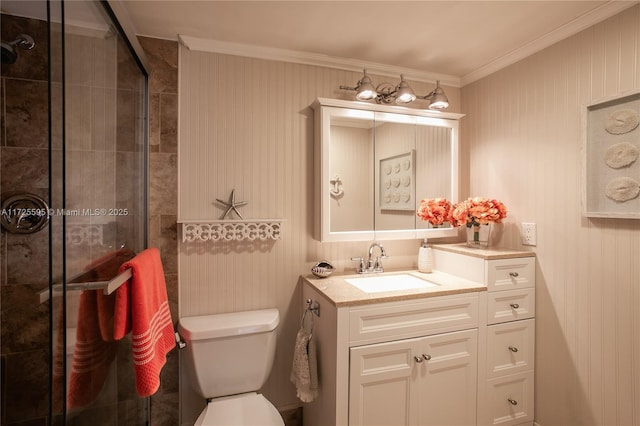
[[103, 215], [72, 136]]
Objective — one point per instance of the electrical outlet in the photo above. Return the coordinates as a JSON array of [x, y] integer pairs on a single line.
[[529, 234]]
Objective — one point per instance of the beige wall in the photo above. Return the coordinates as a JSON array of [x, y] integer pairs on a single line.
[[522, 138], [246, 124], [520, 144]]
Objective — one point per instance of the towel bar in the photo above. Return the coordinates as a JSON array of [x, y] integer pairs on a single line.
[[107, 287]]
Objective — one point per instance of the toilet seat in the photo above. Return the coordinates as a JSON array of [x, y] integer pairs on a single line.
[[248, 409]]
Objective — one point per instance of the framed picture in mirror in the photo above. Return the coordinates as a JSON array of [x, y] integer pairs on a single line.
[[397, 182]]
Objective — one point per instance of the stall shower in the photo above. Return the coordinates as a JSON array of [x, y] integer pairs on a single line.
[[73, 152]]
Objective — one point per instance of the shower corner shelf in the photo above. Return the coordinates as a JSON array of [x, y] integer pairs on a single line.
[[231, 230]]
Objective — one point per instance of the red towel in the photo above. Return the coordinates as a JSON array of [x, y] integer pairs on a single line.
[[92, 355], [95, 348], [142, 307]]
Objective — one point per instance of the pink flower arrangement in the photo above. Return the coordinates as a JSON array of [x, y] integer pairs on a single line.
[[434, 210], [477, 211]]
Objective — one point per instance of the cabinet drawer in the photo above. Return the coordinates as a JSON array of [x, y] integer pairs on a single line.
[[507, 274], [503, 306], [510, 348], [509, 400], [396, 320]]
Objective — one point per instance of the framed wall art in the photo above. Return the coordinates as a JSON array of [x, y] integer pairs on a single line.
[[611, 157], [397, 182]]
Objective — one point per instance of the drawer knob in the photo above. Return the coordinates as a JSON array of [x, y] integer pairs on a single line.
[[426, 357], [514, 305], [512, 401], [418, 358], [513, 274], [513, 349]]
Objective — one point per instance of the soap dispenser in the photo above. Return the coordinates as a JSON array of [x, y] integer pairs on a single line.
[[425, 258]]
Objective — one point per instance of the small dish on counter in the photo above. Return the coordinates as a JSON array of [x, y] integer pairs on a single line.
[[322, 269]]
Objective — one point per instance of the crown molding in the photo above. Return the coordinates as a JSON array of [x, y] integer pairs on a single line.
[[285, 55], [599, 14]]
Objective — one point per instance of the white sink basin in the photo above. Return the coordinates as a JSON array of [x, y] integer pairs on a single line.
[[379, 283]]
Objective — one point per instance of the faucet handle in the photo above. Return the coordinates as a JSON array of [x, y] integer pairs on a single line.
[[377, 267], [361, 266]]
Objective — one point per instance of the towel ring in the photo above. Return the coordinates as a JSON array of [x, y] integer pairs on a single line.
[[303, 317], [315, 310]]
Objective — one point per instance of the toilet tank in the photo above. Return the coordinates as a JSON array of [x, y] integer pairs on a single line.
[[230, 353]]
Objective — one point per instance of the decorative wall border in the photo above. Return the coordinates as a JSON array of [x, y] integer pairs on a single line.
[[231, 230]]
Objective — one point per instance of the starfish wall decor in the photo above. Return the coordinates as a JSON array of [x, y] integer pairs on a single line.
[[232, 205]]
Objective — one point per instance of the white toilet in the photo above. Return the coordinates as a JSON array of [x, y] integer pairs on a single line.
[[229, 357]]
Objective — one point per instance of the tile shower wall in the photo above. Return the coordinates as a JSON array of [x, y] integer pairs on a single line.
[[24, 324], [163, 144], [523, 137]]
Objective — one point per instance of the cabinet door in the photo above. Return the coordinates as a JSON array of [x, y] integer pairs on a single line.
[[383, 386], [448, 379]]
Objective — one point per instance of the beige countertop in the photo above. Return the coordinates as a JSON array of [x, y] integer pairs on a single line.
[[341, 293], [488, 254]]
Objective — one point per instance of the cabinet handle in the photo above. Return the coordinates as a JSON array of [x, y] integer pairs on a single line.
[[513, 349], [512, 401], [418, 358], [513, 274], [426, 357], [514, 305]]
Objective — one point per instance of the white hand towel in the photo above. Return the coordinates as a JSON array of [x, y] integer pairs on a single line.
[[304, 373]]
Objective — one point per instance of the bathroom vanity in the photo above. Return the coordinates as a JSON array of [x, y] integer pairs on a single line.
[[455, 350]]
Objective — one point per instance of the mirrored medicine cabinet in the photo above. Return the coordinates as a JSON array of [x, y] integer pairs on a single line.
[[373, 165]]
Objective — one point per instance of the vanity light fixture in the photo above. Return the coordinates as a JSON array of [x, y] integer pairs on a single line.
[[400, 94], [364, 89]]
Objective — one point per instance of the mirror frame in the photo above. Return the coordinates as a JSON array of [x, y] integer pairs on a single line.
[[323, 111]]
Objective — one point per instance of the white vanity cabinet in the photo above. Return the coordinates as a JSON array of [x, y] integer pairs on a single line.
[[407, 381], [506, 339], [404, 360], [459, 353], [425, 381]]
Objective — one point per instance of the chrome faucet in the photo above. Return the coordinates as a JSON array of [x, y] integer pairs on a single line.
[[371, 265]]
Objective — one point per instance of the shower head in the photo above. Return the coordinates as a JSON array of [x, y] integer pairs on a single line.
[[9, 54]]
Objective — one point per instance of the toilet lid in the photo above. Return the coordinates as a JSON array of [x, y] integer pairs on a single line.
[[249, 409]]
